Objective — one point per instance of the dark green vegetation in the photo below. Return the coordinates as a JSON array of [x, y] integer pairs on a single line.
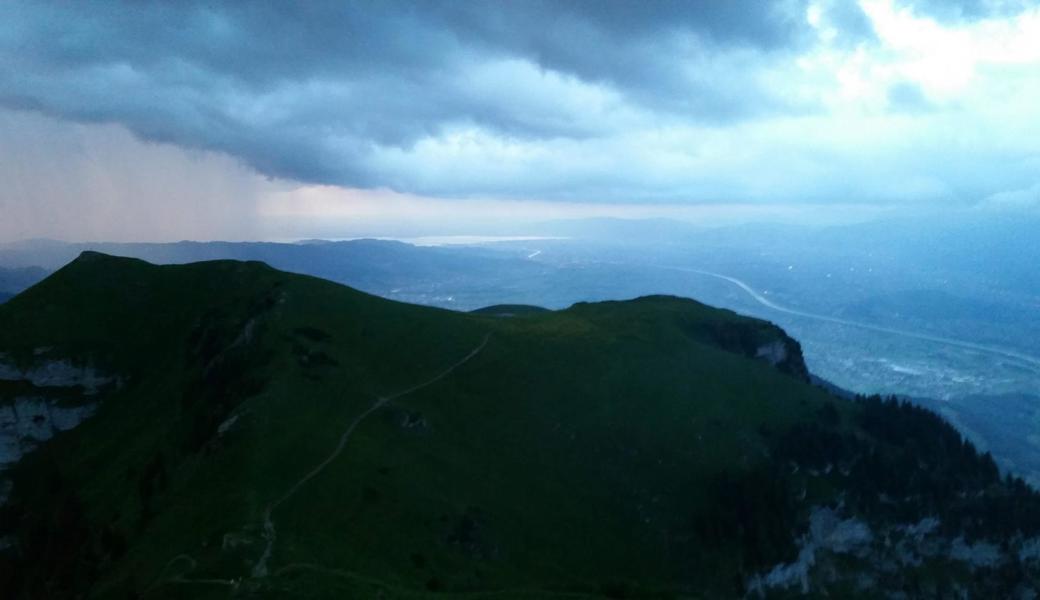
[[277, 435]]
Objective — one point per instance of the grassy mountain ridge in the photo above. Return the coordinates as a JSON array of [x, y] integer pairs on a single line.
[[274, 435]]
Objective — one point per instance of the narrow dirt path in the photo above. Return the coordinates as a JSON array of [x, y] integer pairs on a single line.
[[270, 534], [181, 577]]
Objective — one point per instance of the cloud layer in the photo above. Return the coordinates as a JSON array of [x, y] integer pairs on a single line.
[[743, 100]]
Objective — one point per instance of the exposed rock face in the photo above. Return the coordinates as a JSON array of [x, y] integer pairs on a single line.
[[827, 531], [35, 416], [774, 352], [29, 421], [227, 425], [784, 353], [57, 373], [979, 554], [851, 552]]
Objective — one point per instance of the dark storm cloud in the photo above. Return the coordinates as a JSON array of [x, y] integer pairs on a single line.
[[306, 91]]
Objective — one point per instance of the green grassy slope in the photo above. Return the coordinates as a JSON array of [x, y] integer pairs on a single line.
[[619, 448]]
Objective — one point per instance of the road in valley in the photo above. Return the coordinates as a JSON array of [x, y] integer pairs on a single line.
[[1025, 359]]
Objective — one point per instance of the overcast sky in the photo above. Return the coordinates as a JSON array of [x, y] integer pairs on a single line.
[[128, 121]]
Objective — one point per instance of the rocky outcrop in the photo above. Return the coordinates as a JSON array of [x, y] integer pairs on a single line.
[[784, 353], [28, 421], [774, 352], [50, 396], [827, 532], [851, 553], [57, 373]]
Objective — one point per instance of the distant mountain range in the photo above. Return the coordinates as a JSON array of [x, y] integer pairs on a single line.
[[378, 266], [15, 280], [225, 428]]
